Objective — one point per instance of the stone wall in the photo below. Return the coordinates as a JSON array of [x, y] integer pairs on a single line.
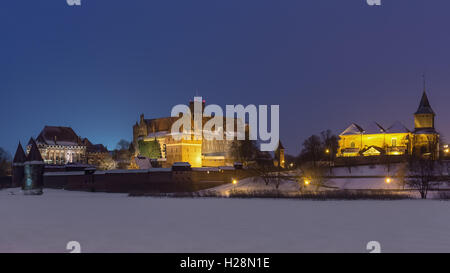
[[157, 180]]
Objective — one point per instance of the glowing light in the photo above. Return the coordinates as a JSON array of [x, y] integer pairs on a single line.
[[292, 164], [388, 180], [234, 181], [307, 182], [327, 151]]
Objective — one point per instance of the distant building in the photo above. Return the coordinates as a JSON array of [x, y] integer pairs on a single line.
[[375, 140], [61, 145], [198, 152], [279, 160]]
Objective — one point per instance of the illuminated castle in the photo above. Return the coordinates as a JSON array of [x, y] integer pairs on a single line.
[[374, 140], [155, 134]]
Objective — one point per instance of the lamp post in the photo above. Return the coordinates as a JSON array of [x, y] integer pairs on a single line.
[[328, 152]]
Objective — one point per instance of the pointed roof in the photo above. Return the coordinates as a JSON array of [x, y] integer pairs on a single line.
[[353, 129], [280, 146], [58, 135], [373, 128], [20, 156], [34, 154], [424, 106], [397, 127]]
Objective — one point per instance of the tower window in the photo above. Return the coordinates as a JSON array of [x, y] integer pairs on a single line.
[[352, 145]]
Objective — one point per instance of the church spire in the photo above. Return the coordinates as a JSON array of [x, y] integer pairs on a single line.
[[424, 106], [34, 155], [20, 156]]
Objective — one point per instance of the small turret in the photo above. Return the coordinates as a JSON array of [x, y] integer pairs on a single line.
[[33, 181], [18, 166], [279, 155]]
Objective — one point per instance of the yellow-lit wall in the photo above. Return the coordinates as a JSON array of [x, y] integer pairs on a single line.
[[384, 141], [425, 142], [184, 151], [423, 121], [213, 161]]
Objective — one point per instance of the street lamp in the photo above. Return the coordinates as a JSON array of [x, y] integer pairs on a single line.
[[388, 180]]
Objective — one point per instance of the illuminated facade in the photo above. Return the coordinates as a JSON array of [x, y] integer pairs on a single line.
[[61, 145], [198, 152], [374, 140]]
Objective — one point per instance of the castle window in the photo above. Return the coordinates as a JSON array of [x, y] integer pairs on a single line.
[[352, 145]]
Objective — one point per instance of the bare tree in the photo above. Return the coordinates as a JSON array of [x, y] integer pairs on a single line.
[[312, 150], [270, 174], [313, 176], [123, 145], [422, 174]]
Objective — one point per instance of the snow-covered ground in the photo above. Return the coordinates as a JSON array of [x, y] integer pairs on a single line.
[[104, 222]]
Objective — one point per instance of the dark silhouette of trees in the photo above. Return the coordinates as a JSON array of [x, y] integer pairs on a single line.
[[123, 145], [319, 148], [424, 168], [122, 154], [244, 150], [5, 163], [422, 174]]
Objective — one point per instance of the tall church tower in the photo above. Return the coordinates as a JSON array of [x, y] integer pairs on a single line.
[[424, 116], [425, 137]]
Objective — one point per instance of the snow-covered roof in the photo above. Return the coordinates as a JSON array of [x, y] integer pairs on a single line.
[[397, 127], [373, 128], [353, 129], [157, 134], [58, 135]]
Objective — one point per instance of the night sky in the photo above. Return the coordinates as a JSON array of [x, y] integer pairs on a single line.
[[327, 63]]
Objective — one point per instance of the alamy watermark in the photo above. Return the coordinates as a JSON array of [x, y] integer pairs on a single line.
[[373, 2], [73, 2], [257, 126]]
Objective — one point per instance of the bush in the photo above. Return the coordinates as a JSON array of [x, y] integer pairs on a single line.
[[150, 149]]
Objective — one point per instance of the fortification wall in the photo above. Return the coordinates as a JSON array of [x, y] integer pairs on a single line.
[[157, 180]]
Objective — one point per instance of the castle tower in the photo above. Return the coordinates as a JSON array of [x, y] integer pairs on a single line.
[[424, 116], [18, 166], [279, 155], [425, 137], [33, 181]]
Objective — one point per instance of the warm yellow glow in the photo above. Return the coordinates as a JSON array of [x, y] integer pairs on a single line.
[[388, 180], [307, 182], [446, 150], [234, 181], [292, 164], [327, 151]]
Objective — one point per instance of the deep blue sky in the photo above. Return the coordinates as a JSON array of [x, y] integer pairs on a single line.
[[327, 63]]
